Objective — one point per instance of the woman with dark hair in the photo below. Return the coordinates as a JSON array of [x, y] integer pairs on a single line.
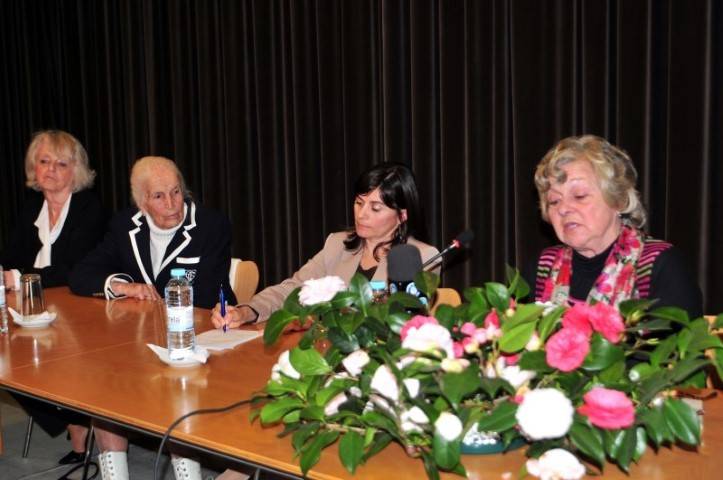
[[386, 213]]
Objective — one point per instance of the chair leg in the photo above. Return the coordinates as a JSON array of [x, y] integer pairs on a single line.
[[28, 434], [89, 443]]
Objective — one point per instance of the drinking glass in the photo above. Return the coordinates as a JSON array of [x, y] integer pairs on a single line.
[[32, 294]]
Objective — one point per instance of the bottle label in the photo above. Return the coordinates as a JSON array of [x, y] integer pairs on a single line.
[[180, 319]]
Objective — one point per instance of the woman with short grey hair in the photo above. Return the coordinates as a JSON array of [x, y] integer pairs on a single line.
[[587, 192]]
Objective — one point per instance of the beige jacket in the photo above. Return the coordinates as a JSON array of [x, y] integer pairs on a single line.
[[333, 259]]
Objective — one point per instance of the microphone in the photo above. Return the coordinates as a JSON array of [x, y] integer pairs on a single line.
[[403, 263], [462, 240]]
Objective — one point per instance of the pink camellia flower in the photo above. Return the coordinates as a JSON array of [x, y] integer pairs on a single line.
[[606, 408], [607, 320], [577, 318], [511, 359], [492, 319], [416, 322], [567, 349], [468, 328], [458, 349], [470, 345]]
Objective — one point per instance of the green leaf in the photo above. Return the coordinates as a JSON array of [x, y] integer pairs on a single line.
[[446, 454], [674, 314], [351, 450], [313, 412], [718, 322], [682, 341], [342, 340], [641, 443], [517, 284], [624, 454], [613, 374], [343, 299], [500, 419], [682, 420], [652, 385], [396, 321], [291, 303], [405, 301], [523, 314], [654, 423], [475, 296], [493, 385], [303, 433], [686, 368], [427, 283], [430, 466], [456, 386], [498, 296], [273, 411], [662, 352], [702, 341], [381, 440], [628, 307], [335, 387], [641, 371], [445, 315], [535, 361], [308, 362], [549, 321], [516, 338], [588, 441], [276, 324], [292, 417], [602, 354], [380, 421], [362, 293], [312, 451]]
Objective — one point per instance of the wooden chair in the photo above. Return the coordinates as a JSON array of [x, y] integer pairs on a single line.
[[446, 296], [243, 278]]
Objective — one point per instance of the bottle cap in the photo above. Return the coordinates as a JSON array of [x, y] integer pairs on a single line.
[[178, 272], [378, 285]]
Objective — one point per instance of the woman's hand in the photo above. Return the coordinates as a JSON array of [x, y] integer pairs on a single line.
[[235, 316], [141, 291]]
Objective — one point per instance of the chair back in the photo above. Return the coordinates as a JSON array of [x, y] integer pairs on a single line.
[[446, 296], [243, 277]]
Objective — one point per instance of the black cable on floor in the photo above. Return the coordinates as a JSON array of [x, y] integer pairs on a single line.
[[200, 411]]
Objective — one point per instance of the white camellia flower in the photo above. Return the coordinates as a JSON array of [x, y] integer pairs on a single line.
[[429, 338], [380, 402], [556, 464], [355, 392], [385, 383], [545, 413], [412, 420], [448, 426], [516, 376], [454, 365], [534, 343], [284, 366], [332, 407], [320, 290], [355, 362], [412, 385]]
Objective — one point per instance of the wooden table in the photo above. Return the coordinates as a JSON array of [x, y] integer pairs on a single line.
[[94, 359]]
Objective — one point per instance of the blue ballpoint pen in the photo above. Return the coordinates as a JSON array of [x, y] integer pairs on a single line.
[[222, 301]]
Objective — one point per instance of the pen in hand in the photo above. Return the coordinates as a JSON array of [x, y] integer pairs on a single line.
[[222, 301]]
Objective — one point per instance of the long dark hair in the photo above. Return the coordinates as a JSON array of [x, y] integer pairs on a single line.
[[398, 190]]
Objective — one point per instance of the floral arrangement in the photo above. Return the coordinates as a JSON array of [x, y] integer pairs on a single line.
[[578, 386]]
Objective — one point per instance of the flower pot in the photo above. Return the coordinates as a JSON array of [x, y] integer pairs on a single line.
[[485, 443]]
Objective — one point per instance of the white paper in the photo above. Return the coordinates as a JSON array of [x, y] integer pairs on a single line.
[[217, 339]]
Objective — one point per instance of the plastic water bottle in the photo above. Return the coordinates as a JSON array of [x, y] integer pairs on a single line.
[[3, 305], [179, 310]]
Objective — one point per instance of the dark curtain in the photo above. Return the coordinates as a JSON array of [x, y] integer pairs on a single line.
[[272, 108]]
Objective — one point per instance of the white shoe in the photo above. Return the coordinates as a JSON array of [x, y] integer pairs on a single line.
[[186, 469], [113, 465]]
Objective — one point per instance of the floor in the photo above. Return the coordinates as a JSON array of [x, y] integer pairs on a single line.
[[41, 462]]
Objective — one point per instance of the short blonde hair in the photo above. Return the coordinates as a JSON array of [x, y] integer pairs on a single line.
[[612, 166], [65, 146], [143, 169]]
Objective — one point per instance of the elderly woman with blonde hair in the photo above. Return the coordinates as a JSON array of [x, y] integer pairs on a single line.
[[61, 221], [587, 192]]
